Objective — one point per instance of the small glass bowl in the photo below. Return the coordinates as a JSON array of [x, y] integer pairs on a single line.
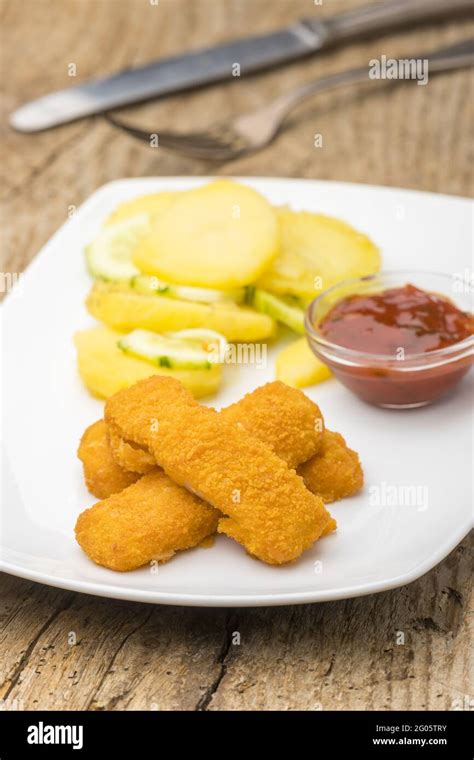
[[382, 379]]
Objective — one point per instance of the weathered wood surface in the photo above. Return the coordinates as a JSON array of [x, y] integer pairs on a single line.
[[127, 656]]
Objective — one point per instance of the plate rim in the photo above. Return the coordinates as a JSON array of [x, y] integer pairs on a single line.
[[238, 600], [266, 178]]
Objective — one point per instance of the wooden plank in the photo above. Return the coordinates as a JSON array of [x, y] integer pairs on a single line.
[[174, 662], [26, 612], [85, 652]]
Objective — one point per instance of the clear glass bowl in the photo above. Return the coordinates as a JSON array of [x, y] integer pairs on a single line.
[[385, 380]]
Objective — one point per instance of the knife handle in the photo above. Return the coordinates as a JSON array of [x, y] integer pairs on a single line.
[[385, 17]]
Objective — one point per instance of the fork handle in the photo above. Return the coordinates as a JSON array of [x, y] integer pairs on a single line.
[[458, 56], [385, 17]]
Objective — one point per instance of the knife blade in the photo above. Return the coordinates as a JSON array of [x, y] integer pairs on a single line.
[[210, 65], [168, 75]]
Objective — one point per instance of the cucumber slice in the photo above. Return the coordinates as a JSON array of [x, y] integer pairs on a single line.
[[164, 351], [149, 285], [289, 314], [109, 256], [206, 295], [214, 342]]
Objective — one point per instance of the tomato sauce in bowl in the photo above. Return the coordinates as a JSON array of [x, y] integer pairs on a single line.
[[400, 346]]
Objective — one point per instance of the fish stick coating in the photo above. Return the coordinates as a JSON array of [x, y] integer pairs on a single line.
[[130, 505], [128, 455], [335, 472], [150, 520], [102, 474], [268, 508], [133, 411], [283, 418]]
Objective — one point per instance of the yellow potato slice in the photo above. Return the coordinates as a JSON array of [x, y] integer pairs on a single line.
[[296, 365], [120, 308], [221, 235], [153, 205], [317, 252], [105, 369]]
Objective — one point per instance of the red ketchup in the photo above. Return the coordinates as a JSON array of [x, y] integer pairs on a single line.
[[398, 323]]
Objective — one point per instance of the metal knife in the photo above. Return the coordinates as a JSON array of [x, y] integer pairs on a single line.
[[205, 66]]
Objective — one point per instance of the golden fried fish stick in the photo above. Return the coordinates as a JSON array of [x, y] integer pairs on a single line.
[[268, 508], [102, 474], [132, 505], [150, 520], [128, 455], [335, 472], [281, 417]]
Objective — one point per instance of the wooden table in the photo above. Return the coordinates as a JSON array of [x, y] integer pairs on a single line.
[[325, 656]]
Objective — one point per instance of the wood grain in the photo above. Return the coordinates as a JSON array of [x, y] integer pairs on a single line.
[[60, 650]]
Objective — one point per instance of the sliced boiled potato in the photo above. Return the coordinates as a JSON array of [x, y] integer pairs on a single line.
[[121, 308], [105, 369], [153, 205], [221, 235], [317, 252], [296, 365]]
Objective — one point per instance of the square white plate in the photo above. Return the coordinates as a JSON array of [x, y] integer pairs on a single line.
[[379, 544]]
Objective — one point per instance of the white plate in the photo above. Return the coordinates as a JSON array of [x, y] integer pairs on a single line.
[[379, 545]]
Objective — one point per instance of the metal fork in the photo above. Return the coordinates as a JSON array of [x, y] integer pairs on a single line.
[[253, 131]]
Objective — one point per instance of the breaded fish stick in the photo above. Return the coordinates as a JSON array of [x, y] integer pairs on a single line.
[[291, 424], [130, 455], [268, 508], [127, 454], [335, 472], [266, 409], [280, 416], [283, 418], [102, 474], [150, 520]]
